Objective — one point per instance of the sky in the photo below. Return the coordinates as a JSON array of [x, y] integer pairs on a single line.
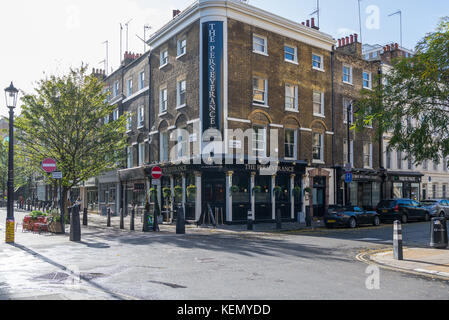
[[47, 37]]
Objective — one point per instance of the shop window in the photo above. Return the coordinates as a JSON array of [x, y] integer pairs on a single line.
[[263, 184], [242, 182], [397, 190]]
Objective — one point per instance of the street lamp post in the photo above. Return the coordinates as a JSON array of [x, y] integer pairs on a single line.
[[11, 94]]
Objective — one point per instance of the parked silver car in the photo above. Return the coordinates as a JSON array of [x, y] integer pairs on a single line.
[[437, 208]]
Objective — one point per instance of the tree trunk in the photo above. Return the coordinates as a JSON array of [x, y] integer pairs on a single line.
[[65, 191]]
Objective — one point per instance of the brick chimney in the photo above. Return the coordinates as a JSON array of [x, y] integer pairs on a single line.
[[176, 13], [350, 45], [99, 73], [130, 57]]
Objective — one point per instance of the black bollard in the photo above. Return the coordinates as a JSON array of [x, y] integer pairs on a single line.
[[397, 241], [133, 216], [75, 226], [85, 217], [122, 219], [155, 217], [278, 219], [180, 222], [250, 221], [109, 217]]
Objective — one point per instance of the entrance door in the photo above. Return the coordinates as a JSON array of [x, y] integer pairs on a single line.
[[319, 196], [214, 193]]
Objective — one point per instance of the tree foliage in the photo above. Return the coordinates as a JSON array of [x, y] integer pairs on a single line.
[[63, 120], [411, 101]]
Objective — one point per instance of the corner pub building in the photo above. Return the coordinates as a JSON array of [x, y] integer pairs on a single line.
[[226, 65]]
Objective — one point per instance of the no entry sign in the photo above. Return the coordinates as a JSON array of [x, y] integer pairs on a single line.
[[156, 173], [49, 165]]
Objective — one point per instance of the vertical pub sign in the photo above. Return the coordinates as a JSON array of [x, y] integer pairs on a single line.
[[212, 74]]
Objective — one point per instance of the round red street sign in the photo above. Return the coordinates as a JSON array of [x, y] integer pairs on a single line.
[[49, 165], [156, 173]]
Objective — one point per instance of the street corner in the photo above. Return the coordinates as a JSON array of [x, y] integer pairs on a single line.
[[433, 263]]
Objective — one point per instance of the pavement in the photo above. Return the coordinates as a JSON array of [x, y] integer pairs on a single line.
[[423, 261], [209, 264]]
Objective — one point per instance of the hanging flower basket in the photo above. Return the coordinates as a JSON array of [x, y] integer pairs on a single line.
[[166, 193], [307, 190], [234, 189], [178, 191], [277, 191], [257, 189], [297, 191], [191, 191]]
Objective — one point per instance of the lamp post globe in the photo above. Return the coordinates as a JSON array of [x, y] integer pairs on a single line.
[[11, 94]]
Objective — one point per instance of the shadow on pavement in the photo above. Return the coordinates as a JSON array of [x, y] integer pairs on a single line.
[[63, 268]]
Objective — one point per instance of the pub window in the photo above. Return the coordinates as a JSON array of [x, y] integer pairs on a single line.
[[318, 103], [260, 44], [260, 88], [317, 148], [259, 141], [291, 97], [290, 144]]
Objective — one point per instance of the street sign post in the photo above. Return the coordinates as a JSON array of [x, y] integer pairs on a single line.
[[56, 175], [49, 165], [348, 177]]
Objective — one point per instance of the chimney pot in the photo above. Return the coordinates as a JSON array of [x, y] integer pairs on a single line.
[[356, 37], [352, 38], [303, 23], [397, 46], [347, 40], [313, 22], [308, 23], [343, 43], [339, 42]]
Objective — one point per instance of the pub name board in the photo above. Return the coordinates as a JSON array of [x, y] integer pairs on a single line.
[[212, 74]]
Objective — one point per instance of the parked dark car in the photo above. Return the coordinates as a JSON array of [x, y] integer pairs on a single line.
[[437, 208], [350, 216], [404, 210]]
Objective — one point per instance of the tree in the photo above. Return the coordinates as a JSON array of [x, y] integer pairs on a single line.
[[64, 120], [411, 101]]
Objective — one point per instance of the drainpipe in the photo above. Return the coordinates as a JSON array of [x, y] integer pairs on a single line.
[[149, 98], [336, 178]]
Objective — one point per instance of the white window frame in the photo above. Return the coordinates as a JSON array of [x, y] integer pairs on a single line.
[[140, 117], [129, 89], [181, 50], [321, 68], [321, 114], [345, 151], [296, 96], [129, 123], [179, 92], [257, 102], [142, 80], [295, 54], [129, 159], [163, 156], [255, 147], [163, 104], [141, 149], [163, 58], [370, 80], [115, 115], [116, 88], [321, 160], [350, 74], [265, 44], [295, 144], [369, 145]]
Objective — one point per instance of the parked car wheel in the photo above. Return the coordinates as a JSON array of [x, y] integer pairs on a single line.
[[352, 223], [404, 219], [376, 221]]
